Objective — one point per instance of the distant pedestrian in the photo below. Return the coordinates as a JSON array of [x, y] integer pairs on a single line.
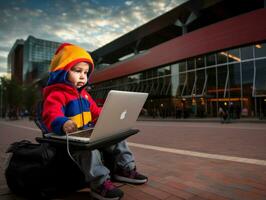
[[226, 116], [221, 114]]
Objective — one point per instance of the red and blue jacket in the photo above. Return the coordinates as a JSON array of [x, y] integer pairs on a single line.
[[62, 100]]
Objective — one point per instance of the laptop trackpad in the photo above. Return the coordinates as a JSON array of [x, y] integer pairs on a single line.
[[83, 133]]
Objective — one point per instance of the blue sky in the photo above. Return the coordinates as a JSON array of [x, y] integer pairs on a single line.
[[88, 23]]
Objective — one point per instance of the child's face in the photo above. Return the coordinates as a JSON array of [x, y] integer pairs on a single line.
[[78, 74]]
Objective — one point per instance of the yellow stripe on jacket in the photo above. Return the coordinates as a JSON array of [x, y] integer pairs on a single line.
[[79, 120]]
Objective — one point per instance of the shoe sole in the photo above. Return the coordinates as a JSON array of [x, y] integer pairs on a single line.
[[99, 197], [129, 180]]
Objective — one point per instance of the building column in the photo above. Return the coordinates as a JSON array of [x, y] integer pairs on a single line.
[[193, 16]]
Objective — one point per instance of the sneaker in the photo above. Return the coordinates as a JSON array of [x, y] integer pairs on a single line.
[[107, 191], [131, 176]]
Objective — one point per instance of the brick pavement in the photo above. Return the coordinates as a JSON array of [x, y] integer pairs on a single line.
[[173, 176]]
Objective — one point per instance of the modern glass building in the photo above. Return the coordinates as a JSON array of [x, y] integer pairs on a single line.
[[198, 86], [37, 57], [15, 61], [29, 60], [217, 58]]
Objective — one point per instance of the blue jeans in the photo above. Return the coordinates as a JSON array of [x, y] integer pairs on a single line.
[[90, 162]]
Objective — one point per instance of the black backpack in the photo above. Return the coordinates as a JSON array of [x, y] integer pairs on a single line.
[[41, 171], [30, 169]]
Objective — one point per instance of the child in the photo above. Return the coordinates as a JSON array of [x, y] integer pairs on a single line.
[[68, 107]]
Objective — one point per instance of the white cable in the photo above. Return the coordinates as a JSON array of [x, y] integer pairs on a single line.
[[70, 153]]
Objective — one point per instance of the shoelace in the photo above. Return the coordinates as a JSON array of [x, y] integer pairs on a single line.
[[133, 173], [108, 185]]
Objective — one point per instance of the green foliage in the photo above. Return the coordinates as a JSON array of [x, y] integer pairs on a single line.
[[17, 96], [30, 97]]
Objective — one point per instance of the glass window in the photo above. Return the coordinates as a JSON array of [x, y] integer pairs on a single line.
[[234, 75], [234, 55], [164, 86], [200, 62], [182, 79], [247, 78], [246, 52], [114, 87], [105, 92], [130, 87], [155, 72], [191, 64], [260, 50], [156, 87], [164, 71], [151, 83], [125, 80], [210, 60], [126, 87], [119, 81], [222, 57], [234, 82], [200, 81], [121, 87], [142, 86], [182, 66], [135, 77], [139, 86], [221, 75], [190, 83], [160, 85], [143, 75], [149, 86], [149, 74], [167, 89], [211, 82], [134, 87], [260, 82]]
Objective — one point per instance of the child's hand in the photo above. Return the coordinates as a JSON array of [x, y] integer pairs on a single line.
[[69, 126]]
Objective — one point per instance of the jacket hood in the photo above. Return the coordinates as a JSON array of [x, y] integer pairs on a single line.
[[66, 56], [59, 87]]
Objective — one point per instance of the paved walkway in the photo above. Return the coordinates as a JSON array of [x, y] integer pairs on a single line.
[[204, 119], [184, 161]]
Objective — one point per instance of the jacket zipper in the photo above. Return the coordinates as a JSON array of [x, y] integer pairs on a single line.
[[81, 108]]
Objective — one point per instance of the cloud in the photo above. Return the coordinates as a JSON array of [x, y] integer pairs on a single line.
[[3, 64], [3, 61], [129, 3], [4, 74], [90, 24]]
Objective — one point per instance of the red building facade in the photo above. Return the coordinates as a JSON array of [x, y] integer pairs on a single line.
[[222, 64]]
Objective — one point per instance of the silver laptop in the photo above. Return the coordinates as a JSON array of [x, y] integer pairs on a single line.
[[119, 113]]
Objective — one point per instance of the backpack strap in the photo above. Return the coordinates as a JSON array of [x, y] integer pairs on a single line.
[[16, 145], [38, 118]]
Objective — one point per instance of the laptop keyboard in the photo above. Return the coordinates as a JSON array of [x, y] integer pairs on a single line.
[[83, 133]]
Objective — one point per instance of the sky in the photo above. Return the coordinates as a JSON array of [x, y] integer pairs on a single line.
[[88, 23]]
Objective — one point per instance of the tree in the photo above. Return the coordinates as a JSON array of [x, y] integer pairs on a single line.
[[30, 97], [16, 97]]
